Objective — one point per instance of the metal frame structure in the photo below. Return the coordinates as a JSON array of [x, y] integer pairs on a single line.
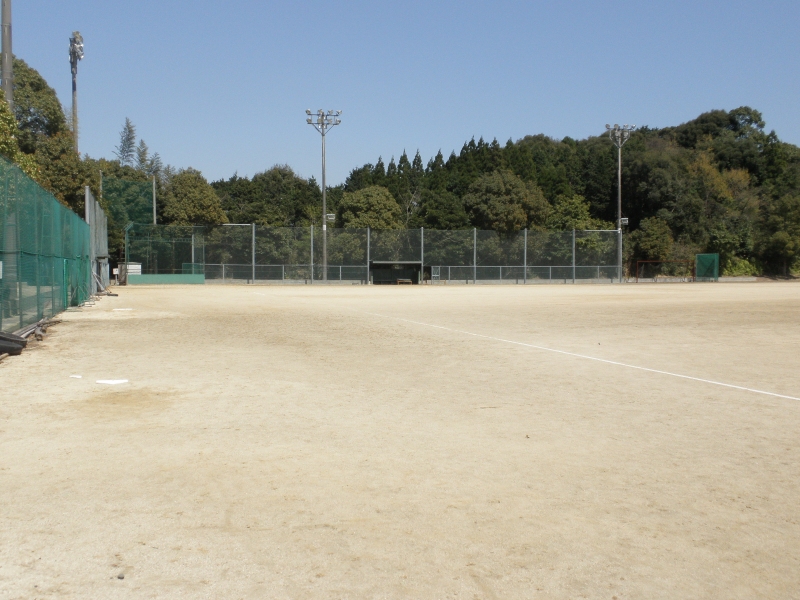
[[158, 250]]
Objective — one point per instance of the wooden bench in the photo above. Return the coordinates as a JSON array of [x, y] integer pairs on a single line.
[[404, 282]]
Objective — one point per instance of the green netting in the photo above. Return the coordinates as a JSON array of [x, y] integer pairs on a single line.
[[707, 267], [44, 252], [255, 253]]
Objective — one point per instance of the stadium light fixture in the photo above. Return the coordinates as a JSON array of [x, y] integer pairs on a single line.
[[7, 59], [324, 121], [75, 55], [620, 135]]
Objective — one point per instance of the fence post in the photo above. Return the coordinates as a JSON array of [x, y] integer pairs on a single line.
[[39, 309], [65, 279], [619, 268], [312, 255], [253, 280], [474, 255], [573, 256], [20, 297], [368, 232], [525, 258], [422, 253], [223, 272]]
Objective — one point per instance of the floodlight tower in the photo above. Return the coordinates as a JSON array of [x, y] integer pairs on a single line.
[[8, 57], [75, 55], [322, 121], [619, 135]]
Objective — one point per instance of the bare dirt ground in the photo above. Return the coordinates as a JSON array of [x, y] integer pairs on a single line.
[[314, 442]]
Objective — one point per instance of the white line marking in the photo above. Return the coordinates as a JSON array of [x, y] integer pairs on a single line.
[[114, 309], [76, 376], [112, 381], [602, 360]]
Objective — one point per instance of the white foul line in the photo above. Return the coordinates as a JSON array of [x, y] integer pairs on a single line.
[[602, 360]]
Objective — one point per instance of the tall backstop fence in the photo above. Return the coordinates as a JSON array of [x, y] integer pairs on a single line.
[[252, 253], [98, 243], [44, 252]]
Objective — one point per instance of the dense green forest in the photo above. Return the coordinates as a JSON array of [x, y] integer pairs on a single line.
[[719, 183]]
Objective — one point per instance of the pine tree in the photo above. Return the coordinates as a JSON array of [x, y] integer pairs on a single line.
[[379, 173], [127, 143], [142, 156]]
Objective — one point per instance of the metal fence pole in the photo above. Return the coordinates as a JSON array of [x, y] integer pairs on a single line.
[[312, 255], [154, 200], [525, 258], [368, 235], [254, 254], [573, 256], [474, 255], [422, 253], [619, 254], [38, 214]]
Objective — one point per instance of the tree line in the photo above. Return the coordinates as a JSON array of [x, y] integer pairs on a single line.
[[719, 183]]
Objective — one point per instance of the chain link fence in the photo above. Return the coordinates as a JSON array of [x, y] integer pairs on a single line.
[[252, 253], [44, 252]]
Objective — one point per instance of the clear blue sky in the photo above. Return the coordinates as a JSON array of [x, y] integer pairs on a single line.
[[222, 86]]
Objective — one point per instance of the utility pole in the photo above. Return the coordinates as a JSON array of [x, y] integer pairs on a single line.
[[8, 56], [619, 135], [75, 55], [323, 121]]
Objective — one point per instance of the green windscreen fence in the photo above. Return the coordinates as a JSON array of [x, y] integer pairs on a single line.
[[707, 267], [44, 252]]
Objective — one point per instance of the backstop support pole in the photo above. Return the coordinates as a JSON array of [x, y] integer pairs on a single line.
[[154, 199], [422, 254], [254, 254], [312, 255], [474, 255], [368, 236], [573, 256], [525, 257]]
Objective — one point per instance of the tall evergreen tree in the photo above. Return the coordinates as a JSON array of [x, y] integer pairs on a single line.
[[126, 150]]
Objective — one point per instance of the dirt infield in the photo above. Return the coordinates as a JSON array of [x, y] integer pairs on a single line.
[[393, 442]]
